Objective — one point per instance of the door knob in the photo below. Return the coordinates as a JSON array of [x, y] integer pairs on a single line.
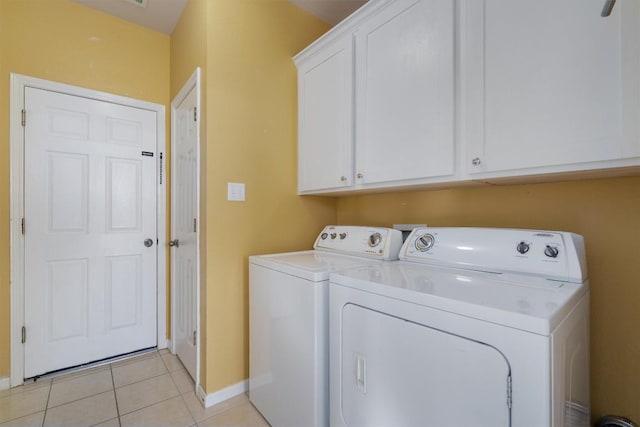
[[175, 243], [148, 242]]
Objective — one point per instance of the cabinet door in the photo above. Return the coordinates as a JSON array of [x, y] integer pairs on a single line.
[[549, 84], [325, 117], [405, 92]]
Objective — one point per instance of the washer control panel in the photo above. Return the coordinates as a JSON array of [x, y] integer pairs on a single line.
[[556, 255], [372, 242]]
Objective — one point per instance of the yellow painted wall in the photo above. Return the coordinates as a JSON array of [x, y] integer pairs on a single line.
[[249, 91], [605, 211], [251, 138], [62, 41]]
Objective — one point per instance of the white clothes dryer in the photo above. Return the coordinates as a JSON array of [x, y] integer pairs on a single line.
[[288, 327], [472, 327]]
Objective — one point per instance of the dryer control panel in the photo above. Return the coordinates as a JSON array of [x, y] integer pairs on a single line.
[[372, 242], [555, 255]]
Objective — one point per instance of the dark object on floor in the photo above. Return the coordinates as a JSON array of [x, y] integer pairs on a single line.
[[614, 421]]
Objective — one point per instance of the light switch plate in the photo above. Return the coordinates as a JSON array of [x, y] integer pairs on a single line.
[[235, 191]]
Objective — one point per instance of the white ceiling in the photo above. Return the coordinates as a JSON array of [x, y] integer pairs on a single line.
[[331, 11], [159, 15], [162, 15]]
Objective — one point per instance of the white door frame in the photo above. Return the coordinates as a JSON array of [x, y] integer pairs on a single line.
[[191, 83], [16, 144]]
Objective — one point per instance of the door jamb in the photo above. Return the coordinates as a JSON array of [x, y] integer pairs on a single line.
[[16, 144], [190, 84]]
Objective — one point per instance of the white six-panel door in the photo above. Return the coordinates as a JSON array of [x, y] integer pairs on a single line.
[[184, 230], [90, 204]]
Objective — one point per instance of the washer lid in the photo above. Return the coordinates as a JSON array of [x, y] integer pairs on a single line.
[[519, 301], [309, 265]]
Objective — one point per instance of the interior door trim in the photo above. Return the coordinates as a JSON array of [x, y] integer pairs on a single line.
[[190, 84], [16, 143]]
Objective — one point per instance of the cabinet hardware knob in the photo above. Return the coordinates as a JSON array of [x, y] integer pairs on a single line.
[[476, 161], [343, 178], [359, 176]]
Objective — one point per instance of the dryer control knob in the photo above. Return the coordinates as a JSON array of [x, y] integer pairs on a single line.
[[333, 235], [375, 239], [551, 251], [425, 242], [523, 247]]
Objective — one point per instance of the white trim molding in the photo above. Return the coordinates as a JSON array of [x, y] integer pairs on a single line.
[[5, 383], [208, 400], [16, 144]]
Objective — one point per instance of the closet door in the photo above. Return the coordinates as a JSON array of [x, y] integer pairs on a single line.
[[325, 118], [548, 86], [405, 92]]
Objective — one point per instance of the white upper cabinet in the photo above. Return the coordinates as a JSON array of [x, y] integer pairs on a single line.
[[325, 122], [377, 94], [404, 99], [549, 86], [419, 92]]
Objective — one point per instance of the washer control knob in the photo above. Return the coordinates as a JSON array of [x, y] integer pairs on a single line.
[[343, 236], [375, 239], [523, 247], [333, 236], [425, 242], [551, 251], [324, 236]]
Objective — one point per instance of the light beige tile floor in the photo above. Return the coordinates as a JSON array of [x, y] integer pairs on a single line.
[[149, 390]]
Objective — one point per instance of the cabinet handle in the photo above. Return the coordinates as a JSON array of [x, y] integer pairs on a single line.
[[476, 161], [359, 176], [343, 178], [608, 8]]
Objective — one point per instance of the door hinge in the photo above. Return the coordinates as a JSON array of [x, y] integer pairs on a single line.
[[22, 226], [509, 392], [195, 114], [24, 334], [194, 225], [24, 117], [194, 337]]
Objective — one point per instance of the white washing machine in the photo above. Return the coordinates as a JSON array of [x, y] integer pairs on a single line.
[[288, 330], [472, 327]]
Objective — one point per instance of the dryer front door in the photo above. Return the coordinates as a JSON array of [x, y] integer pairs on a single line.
[[396, 372]]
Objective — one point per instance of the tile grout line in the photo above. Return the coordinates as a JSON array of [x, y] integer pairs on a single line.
[[168, 373], [46, 406], [115, 396], [79, 398]]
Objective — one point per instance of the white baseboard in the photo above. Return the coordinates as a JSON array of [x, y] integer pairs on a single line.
[[5, 383], [208, 400]]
